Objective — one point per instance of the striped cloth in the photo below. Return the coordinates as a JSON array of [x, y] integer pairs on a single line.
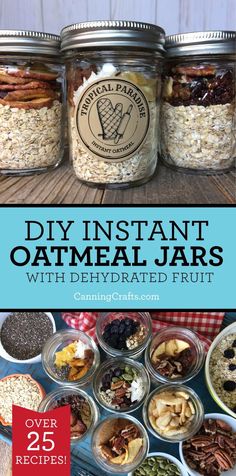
[[206, 324]]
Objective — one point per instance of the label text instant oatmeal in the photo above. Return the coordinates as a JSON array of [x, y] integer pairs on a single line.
[[112, 119]]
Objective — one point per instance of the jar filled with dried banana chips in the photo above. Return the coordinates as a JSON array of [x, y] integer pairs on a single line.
[[113, 89], [31, 102]]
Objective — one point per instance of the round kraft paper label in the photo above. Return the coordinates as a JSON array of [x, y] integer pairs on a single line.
[[112, 119]]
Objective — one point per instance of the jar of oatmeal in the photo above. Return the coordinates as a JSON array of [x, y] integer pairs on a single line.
[[113, 83], [198, 109], [31, 109]]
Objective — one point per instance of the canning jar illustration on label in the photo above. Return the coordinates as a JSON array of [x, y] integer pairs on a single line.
[[112, 119]]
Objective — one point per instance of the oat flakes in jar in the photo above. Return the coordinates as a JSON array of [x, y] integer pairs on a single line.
[[31, 102], [198, 108], [113, 87]]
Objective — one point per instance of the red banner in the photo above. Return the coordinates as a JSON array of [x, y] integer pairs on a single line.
[[41, 442]]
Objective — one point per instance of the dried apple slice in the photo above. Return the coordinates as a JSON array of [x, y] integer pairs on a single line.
[[134, 447], [30, 94], [160, 350]]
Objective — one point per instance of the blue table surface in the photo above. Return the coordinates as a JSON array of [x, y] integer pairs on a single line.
[[82, 461]]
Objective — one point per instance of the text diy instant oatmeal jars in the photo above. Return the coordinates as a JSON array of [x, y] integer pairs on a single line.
[[31, 109], [198, 111], [114, 82]]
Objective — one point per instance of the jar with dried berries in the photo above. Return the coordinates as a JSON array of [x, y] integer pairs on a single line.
[[113, 84], [31, 102], [198, 108]]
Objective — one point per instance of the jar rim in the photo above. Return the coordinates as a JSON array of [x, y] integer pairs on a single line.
[[199, 42], [111, 34], [28, 41]]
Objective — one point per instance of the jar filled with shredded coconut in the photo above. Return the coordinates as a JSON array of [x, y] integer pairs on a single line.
[[113, 89], [199, 102]]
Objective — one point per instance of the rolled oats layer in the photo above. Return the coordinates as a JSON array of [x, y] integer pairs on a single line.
[[222, 369], [30, 138], [198, 137]]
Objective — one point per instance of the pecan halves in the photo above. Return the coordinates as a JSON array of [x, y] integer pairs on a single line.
[[201, 441], [224, 460], [34, 104], [30, 94], [130, 432]]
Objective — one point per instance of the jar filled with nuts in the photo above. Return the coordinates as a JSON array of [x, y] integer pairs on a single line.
[[31, 102], [113, 83], [198, 109]]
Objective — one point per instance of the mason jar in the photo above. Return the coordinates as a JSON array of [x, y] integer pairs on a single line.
[[198, 118], [191, 358], [31, 102], [113, 88]]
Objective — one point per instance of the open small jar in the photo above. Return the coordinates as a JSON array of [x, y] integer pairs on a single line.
[[84, 412], [121, 385], [198, 115], [120, 444], [113, 89], [31, 102], [70, 357], [124, 333], [173, 413], [174, 355]]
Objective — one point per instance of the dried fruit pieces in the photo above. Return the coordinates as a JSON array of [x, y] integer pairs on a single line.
[[81, 416], [121, 387], [213, 449], [124, 333], [201, 85], [173, 358], [73, 361], [124, 445], [171, 412]]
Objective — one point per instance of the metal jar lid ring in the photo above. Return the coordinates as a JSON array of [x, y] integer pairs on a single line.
[[112, 34], [30, 42], [201, 42]]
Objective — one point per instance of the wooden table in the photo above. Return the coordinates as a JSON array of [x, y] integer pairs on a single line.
[[167, 187]]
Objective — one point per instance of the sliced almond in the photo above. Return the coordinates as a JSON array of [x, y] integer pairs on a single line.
[[183, 395], [175, 431], [164, 420], [191, 406]]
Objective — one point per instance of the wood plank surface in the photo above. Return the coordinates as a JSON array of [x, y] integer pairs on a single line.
[[173, 15], [168, 187]]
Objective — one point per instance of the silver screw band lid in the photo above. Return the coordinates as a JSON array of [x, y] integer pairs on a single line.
[[34, 42], [111, 34], [200, 42]]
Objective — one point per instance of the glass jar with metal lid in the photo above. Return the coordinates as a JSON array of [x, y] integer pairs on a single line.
[[31, 102], [198, 109], [113, 83]]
